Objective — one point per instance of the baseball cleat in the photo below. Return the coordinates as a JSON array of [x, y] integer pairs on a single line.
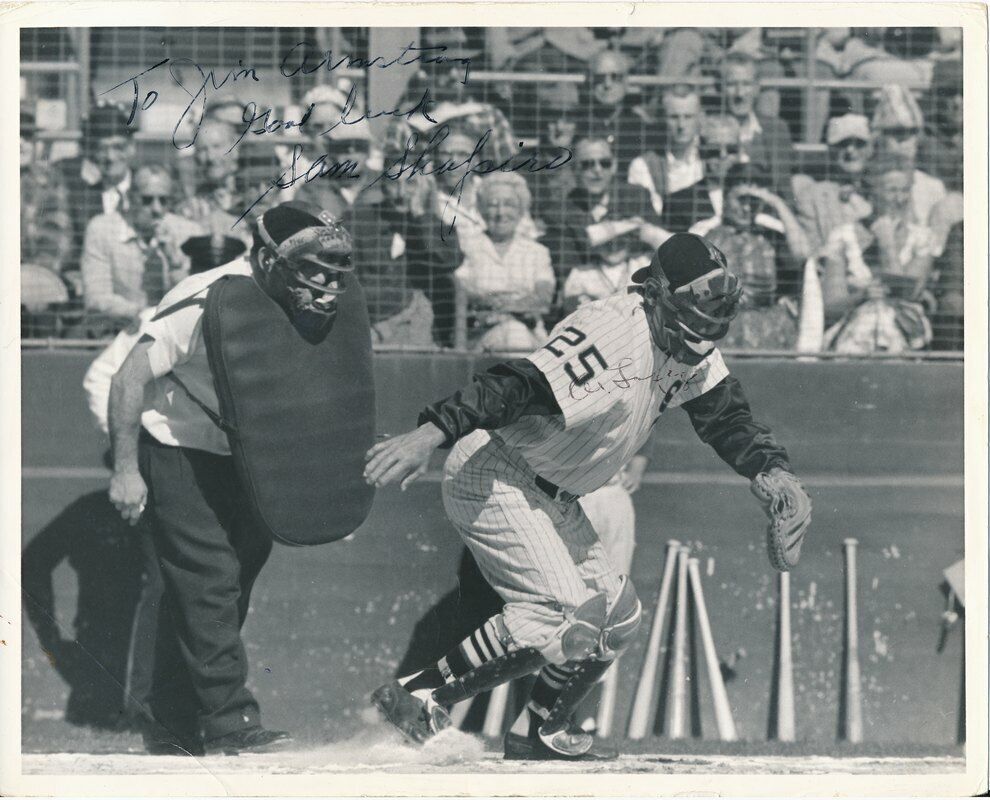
[[416, 715], [565, 745], [254, 740]]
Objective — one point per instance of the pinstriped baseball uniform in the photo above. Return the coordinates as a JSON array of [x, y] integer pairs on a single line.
[[612, 384]]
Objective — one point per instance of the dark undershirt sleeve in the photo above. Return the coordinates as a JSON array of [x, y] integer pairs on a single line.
[[721, 417], [494, 398]]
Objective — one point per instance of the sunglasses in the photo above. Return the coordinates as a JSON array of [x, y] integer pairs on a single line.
[[900, 134], [148, 199], [601, 77], [591, 163], [718, 152]]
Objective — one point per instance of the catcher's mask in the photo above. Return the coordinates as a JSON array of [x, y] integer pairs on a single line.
[[309, 256], [691, 297]]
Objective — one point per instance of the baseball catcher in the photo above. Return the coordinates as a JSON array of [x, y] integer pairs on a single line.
[[532, 435]]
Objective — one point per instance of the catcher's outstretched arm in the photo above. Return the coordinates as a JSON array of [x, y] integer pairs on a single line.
[[721, 417], [494, 399]]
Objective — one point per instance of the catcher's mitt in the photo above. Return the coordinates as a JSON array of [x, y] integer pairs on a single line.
[[789, 508]]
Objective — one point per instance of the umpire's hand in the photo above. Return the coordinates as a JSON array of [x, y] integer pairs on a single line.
[[402, 458], [129, 494]]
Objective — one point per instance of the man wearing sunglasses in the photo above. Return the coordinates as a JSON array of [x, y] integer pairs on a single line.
[[221, 409], [603, 231], [718, 149], [531, 436], [841, 197], [132, 257], [627, 127]]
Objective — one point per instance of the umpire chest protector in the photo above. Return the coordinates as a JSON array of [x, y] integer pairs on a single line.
[[299, 415]]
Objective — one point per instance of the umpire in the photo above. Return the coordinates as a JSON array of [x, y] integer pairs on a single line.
[[174, 454]]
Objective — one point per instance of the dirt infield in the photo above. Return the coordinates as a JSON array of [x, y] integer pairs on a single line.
[[377, 750]]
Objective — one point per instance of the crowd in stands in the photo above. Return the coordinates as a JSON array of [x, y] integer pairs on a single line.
[[854, 247]]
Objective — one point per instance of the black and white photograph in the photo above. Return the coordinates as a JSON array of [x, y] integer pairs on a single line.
[[495, 410]]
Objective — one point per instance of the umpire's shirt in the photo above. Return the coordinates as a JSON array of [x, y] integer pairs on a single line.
[[169, 413]]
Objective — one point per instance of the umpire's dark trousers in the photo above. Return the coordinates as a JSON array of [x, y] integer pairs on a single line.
[[210, 553]]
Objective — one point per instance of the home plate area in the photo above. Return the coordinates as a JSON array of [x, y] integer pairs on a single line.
[[452, 751]]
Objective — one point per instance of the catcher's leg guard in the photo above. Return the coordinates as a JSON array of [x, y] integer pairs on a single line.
[[620, 627], [479, 664], [623, 621]]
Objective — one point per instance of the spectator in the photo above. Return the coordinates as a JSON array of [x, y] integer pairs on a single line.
[[611, 115], [762, 257], [841, 198], [570, 47], [603, 231], [455, 201], [878, 281], [558, 104], [948, 46], [702, 200], [457, 178], [131, 258], [693, 51], [46, 234], [680, 166], [215, 202], [99, 179], [762, 139], [504, 47], [343, 145], [947, 322], [506, 279], [429, 247], [46, 237], [897, 125], [455, 104], [942, 147], [388, 230], [903, 59]]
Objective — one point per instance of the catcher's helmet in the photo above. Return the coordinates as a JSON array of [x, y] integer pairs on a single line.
[[694, 296], [312, 253]]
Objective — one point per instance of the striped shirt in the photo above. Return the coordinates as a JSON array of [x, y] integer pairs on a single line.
[[612, 384]]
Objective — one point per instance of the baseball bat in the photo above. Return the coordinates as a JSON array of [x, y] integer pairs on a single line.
[[853, 705], [495, 713], [644, 703], [606, 708], [679, 688], [785, 672], [723, 714]]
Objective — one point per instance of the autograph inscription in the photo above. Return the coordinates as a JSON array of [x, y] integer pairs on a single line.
[[419, 158], [618, 377]]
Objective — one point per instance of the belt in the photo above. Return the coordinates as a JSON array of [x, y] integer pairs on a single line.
[[553, 491]]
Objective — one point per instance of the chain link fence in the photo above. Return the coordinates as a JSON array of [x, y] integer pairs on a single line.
[[494, 179]]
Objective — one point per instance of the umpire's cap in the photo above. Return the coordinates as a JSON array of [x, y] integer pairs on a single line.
[[683, 258]]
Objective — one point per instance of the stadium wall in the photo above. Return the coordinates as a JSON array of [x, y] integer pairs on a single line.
[[879, 444]]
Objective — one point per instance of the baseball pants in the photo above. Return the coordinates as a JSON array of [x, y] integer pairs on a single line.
[[540, 554], [210, 553]]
